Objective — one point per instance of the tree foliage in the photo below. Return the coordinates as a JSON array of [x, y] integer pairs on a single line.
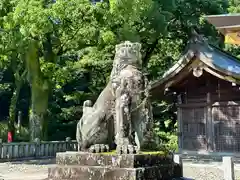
[[234, 7], [66, 49]]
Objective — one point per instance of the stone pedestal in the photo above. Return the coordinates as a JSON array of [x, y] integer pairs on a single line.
[[89, 166]]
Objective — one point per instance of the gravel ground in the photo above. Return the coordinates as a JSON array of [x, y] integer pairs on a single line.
[[37, 170]]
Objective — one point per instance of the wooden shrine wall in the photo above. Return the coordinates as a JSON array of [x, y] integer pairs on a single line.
[[194, 128], [209, 115]]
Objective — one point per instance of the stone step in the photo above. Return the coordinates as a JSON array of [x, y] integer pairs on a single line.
[[121, 161], [61, 172]]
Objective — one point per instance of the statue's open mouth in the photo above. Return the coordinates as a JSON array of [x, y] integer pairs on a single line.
[[125, 58]]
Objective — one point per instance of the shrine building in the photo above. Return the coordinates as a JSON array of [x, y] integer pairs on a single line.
[[205, 82]]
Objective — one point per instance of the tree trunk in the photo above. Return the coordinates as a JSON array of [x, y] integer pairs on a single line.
[[39, 94], [18, 85], [12, 109], [38, 112]]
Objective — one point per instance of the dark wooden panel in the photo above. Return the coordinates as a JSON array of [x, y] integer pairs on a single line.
[[226, 113], [196, 89], [194, 128], [226, 121], [195, 143], [227, 144], [222, 132]]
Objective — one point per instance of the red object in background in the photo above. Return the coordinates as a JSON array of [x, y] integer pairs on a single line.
[[9, 137]]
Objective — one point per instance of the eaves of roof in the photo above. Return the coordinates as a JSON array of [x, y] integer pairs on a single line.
[[199, 53]]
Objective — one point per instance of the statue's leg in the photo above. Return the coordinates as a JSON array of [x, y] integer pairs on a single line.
[[137, 128], [100, 137], [143, 128], [125, 141], [99, 142]]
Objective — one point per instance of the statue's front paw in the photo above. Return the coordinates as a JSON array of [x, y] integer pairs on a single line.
[[127, 149], [98, 148]]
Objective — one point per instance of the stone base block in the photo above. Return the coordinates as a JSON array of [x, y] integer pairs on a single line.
[[93, 166], [114, 160], [107, 173]]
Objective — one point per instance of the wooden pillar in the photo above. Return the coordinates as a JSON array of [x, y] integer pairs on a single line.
[[209, 124], [180, 125]]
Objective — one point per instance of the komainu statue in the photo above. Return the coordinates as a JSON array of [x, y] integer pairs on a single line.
[[122, 113]]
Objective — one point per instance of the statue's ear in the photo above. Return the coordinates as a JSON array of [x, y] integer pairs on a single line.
[[139, 61], [117, 47], [140, 47]]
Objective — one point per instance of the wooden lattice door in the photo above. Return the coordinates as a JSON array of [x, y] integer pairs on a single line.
[[226, 121], [194, 129]]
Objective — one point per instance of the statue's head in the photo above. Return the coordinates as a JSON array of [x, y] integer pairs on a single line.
[[128, 53]]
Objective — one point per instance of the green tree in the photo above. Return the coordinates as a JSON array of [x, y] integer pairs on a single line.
[[234, 7], [66, 47], [187, 15], [49, 30], [10, 58]]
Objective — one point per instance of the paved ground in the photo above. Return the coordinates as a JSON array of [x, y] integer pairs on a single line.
[[207, 171], [25, 170], [37, 170]]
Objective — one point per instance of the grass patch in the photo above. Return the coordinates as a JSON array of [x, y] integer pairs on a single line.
[[141, 152], [153, 152]]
